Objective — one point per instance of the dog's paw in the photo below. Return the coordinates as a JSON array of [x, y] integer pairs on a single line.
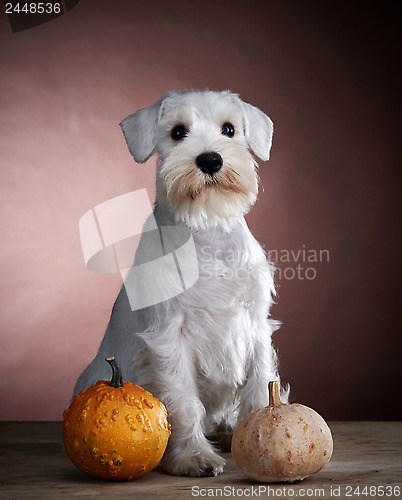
[[202, 464]]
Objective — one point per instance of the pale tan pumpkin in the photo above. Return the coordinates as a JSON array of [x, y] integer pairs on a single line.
[[115, 430], [281, 442]]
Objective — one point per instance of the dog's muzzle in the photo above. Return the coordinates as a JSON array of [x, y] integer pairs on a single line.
[[209, 163]]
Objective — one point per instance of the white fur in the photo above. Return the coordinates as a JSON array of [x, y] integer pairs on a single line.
[[206, 353]]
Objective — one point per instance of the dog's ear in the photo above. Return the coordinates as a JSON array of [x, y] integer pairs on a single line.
[[141, 130], [258, 129]]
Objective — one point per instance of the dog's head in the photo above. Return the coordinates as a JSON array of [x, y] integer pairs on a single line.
[[206, 172]]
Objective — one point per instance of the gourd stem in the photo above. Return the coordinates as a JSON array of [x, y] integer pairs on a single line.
[[274, 396], [117, 378]]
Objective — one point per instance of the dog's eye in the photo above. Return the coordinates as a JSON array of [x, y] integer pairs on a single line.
[[178, 132], [228, 129]]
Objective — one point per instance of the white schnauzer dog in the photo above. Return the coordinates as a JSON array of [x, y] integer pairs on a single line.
[[205, 353]]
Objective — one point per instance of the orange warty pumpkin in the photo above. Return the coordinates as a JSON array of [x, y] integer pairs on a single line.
[[115, 430]]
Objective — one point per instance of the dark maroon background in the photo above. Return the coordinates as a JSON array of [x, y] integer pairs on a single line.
[[328, 75]]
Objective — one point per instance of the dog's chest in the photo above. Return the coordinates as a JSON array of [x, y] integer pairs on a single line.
[[220, 310]]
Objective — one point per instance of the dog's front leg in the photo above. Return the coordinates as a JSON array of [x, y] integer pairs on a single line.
[[189, 453], [171, 377], [262, 369]]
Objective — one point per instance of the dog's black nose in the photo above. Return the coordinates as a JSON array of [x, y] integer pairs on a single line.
[[209, 163]]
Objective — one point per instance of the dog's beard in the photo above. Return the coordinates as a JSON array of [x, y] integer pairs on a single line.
[[201, 200]]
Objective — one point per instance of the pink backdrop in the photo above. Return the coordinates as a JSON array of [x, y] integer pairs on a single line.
[[327, 77]]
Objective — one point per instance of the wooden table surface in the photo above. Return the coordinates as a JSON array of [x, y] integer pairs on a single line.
[[367, 456]]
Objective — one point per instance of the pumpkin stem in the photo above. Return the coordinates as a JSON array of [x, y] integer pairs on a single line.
[[274, 396], [117, 378]]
